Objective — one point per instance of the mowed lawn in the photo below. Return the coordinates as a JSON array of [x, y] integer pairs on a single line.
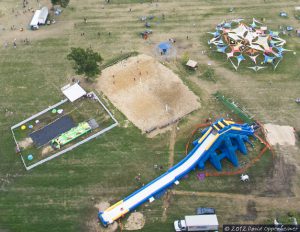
[[60, 195], [57, 196]]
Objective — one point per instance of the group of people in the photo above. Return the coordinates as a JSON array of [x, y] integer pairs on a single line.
[[26, 41], [13, 28], [25, 3]]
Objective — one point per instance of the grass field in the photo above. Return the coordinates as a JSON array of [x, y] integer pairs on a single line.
[[61, 195]]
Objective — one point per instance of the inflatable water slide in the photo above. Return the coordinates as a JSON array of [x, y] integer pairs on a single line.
[[220, 140]]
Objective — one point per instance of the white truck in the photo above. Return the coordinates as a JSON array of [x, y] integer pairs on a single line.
[[197, 223]]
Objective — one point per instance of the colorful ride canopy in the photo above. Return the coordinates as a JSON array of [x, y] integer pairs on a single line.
[[242, 42]]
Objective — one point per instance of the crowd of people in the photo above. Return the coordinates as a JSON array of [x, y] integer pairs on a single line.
[[26, 9]]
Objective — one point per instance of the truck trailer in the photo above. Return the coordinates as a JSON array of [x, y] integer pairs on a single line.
[[197, 223]]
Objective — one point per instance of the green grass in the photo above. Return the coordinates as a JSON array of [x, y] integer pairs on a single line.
[[60, 195], [63, 187]]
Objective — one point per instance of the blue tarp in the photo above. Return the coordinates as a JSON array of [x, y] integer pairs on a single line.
[[49, 132]]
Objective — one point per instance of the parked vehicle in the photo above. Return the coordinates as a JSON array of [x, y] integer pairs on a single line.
[[208, 222], [205, 210]]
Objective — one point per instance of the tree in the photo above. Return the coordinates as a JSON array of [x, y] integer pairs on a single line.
[[63, 3], [55, 2], [86, 62], [185, 58]]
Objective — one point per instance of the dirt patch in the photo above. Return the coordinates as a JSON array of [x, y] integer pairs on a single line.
[[126, 123], [147, 92], [46, 150], [102, 206], [14, 15], [25, 143], [8, 113], [136, 221], [251, 211], [281, 135], [94, 226], [280, 182]]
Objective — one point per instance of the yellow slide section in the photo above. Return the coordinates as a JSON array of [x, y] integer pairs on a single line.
[[221, 124], [114, 206], [205, 135], [120, 215]]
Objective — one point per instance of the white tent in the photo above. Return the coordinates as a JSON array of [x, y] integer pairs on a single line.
[[43, 15], [35, 19], [191, 64], [73, 92]]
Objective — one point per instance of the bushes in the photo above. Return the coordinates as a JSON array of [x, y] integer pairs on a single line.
[[118, 59], [209, 74], [63, 3]]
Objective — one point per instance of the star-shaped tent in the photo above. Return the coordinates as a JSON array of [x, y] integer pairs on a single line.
[[248, 42]]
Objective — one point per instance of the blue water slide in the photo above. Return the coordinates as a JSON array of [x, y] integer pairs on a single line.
[[224, 136]]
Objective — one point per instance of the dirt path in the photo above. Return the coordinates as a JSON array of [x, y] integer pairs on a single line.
[[135, 221], [166, 200], [172, 144]]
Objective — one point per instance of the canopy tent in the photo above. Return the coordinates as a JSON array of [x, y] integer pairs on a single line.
[[73, 92], [192, 64], [221, 49], [240, 41], [164, 47], [257, 68], [35, 19], [43, 15]]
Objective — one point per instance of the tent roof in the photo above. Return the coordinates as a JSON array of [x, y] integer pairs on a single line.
[[43, 15], [164, 46], [73, 92], [240, 30], [35, 18], [192, 63]]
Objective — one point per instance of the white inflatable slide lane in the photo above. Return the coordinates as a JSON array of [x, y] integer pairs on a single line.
[[124, 206]]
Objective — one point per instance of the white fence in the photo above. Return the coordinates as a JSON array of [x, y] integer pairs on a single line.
[[71, 147]]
